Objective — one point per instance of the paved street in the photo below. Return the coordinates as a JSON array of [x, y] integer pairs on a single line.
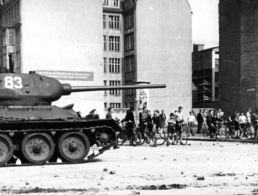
[[202, 167]]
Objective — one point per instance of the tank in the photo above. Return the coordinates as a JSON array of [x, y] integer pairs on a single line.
[[35, 132]]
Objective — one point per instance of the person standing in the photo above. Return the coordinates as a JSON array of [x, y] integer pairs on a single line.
[[255, 125], [179, 121], [190, 122], [143, 117], [162, 117], [199, 121], [130, 122], [156, 120], [109, 113]]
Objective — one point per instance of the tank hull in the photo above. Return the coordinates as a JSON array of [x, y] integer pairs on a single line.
[[43, 134]]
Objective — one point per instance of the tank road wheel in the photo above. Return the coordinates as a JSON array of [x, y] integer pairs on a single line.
[[37, 148], [73, 146], [104, 137], [6, 149]]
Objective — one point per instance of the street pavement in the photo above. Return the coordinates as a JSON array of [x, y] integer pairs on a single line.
[[196, 168]]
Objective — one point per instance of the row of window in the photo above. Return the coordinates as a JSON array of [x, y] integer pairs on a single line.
[[129, 21], [111, 3], [112, 105], [113, 22], [114, 92], [112, 43], [114, 65], [129, 64], [129, 42]]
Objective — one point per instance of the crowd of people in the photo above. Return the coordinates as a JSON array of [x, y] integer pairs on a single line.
[[205, 120]]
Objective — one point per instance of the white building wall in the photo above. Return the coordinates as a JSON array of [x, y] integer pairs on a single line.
[[65, 35], [163, 50]]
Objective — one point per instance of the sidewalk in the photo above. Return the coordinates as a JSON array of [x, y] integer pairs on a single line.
[[200, 137]]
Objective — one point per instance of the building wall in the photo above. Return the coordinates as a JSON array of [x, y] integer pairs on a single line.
[[65, 36], [113, 58], [163, 50], [238, 54]]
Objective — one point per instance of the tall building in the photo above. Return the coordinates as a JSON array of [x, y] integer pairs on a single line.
[[238, 54], [157, 49], [109, 42], [59, 38], [205, 76], [113, 52]]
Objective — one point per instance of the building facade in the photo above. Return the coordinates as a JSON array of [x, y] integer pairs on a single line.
[[108, 42], [238, 54], [54, 41], [113, 52], [157, 44], [205, 76]]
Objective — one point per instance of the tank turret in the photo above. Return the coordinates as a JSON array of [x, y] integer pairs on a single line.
[[34, 89]]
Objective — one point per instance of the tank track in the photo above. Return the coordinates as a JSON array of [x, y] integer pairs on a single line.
[[90, 157]]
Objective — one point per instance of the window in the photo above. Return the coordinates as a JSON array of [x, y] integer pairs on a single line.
[[114, 91], [105, 65], [114, 65], [115, 105], [129, 42], [105, 2], [105, 84], [114, 22], [104, 21], [129, 64], [114, 43], [116, 3], [129, 21], [105, 42]]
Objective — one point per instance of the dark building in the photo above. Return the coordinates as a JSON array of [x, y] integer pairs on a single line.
[[238, 21]]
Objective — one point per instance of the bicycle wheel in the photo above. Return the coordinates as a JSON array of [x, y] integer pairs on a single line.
[[160, 140], [137, 138], [249, 133], [121, 138], [227, 133], [184, 138], [174, 140]]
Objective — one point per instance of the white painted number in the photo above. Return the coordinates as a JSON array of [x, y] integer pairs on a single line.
[[13, 82]]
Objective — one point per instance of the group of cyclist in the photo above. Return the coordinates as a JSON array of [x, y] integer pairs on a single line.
[[210, 120], [150, 124], [237, 122]]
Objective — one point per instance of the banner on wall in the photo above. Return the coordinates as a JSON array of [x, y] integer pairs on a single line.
[[68, 75], [143, 98]]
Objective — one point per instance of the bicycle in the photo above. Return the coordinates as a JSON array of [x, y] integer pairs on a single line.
[[129, 133], [148, 135], [162, 137], [229, 130], [246, 131], [183, 136]]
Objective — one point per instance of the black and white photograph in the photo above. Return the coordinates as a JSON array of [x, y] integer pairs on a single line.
[[128, 97]]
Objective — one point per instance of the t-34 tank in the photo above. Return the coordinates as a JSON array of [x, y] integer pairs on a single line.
[[38, 133]]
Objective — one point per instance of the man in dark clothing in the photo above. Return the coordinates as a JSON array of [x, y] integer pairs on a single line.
[[211, 122], [109, 113], [199, 121], [156, 120], [149, 122], [143, 116], [129, 119], [254, 118]]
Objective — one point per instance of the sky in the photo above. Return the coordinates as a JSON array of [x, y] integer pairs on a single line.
[[205, 28]]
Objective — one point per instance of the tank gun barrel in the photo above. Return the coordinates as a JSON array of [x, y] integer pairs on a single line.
[[71, 89]]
